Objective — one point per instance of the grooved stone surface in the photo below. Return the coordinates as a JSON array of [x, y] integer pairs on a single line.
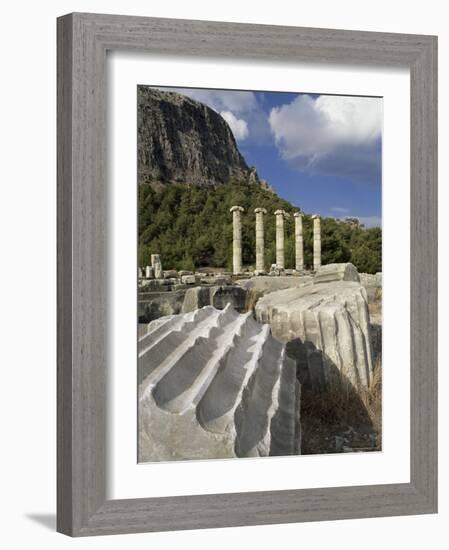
[[215, 384], [327, 327]]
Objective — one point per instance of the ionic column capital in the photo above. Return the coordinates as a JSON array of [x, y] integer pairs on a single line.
[[280, 213], [236, 209]]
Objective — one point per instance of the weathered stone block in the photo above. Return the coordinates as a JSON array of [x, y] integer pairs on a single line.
[[188, 279], [221, 296], [156, 264], [170, 274], [153, 305], [148, 285], [222, 280], [336, 272], [196, 298], [217, 296]]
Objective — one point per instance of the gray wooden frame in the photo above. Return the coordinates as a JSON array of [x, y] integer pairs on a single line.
[[83, 40]]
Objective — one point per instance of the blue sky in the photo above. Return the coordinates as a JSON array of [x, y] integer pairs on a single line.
[[320, 152]]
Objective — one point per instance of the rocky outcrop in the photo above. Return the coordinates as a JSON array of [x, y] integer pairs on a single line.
[[183, 141], [215, 384], [327, 328], [336, 272]]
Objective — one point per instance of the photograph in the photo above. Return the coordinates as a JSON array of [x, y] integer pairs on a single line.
[[259, 273], [229, 219]]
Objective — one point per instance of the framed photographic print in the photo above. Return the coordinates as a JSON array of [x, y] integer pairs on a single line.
[[247, 277]]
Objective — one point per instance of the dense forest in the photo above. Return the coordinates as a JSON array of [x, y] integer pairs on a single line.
[[191, 227]]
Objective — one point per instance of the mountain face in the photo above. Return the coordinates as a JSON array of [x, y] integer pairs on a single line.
[[183, 141]]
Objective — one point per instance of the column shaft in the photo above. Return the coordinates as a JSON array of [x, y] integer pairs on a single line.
[[260, 239], [316, 243], [299, 243], [280, 261], [237, 239]]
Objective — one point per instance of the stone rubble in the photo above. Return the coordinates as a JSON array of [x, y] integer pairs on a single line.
[[336, 272]]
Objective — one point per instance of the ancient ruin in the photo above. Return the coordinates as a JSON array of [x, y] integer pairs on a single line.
[[156, 265], [237, 238], [279, 267], [242, 342], [318, 322], [299, 243], [336, 272], [328, 328], [280, 259], [215, 384], [316, 242], [260, 240]]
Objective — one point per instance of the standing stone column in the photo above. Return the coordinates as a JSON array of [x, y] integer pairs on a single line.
[[156, 264], [260, 240], [237, 238], [280, 261], [316, 242], [299, 243]]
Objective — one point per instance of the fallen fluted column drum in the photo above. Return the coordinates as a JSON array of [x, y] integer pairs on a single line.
[[215, 384], [327, 327]]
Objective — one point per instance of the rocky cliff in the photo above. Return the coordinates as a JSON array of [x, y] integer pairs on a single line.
[[183, 141]]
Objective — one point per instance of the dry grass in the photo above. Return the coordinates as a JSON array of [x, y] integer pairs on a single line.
[[375, 305], [352, 414], [372, 399]]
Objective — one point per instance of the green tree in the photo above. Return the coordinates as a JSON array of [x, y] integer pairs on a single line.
[[191, 226]]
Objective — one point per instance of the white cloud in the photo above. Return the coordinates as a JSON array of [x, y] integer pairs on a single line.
[[312, 127], [330, 134], [238, 126]]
